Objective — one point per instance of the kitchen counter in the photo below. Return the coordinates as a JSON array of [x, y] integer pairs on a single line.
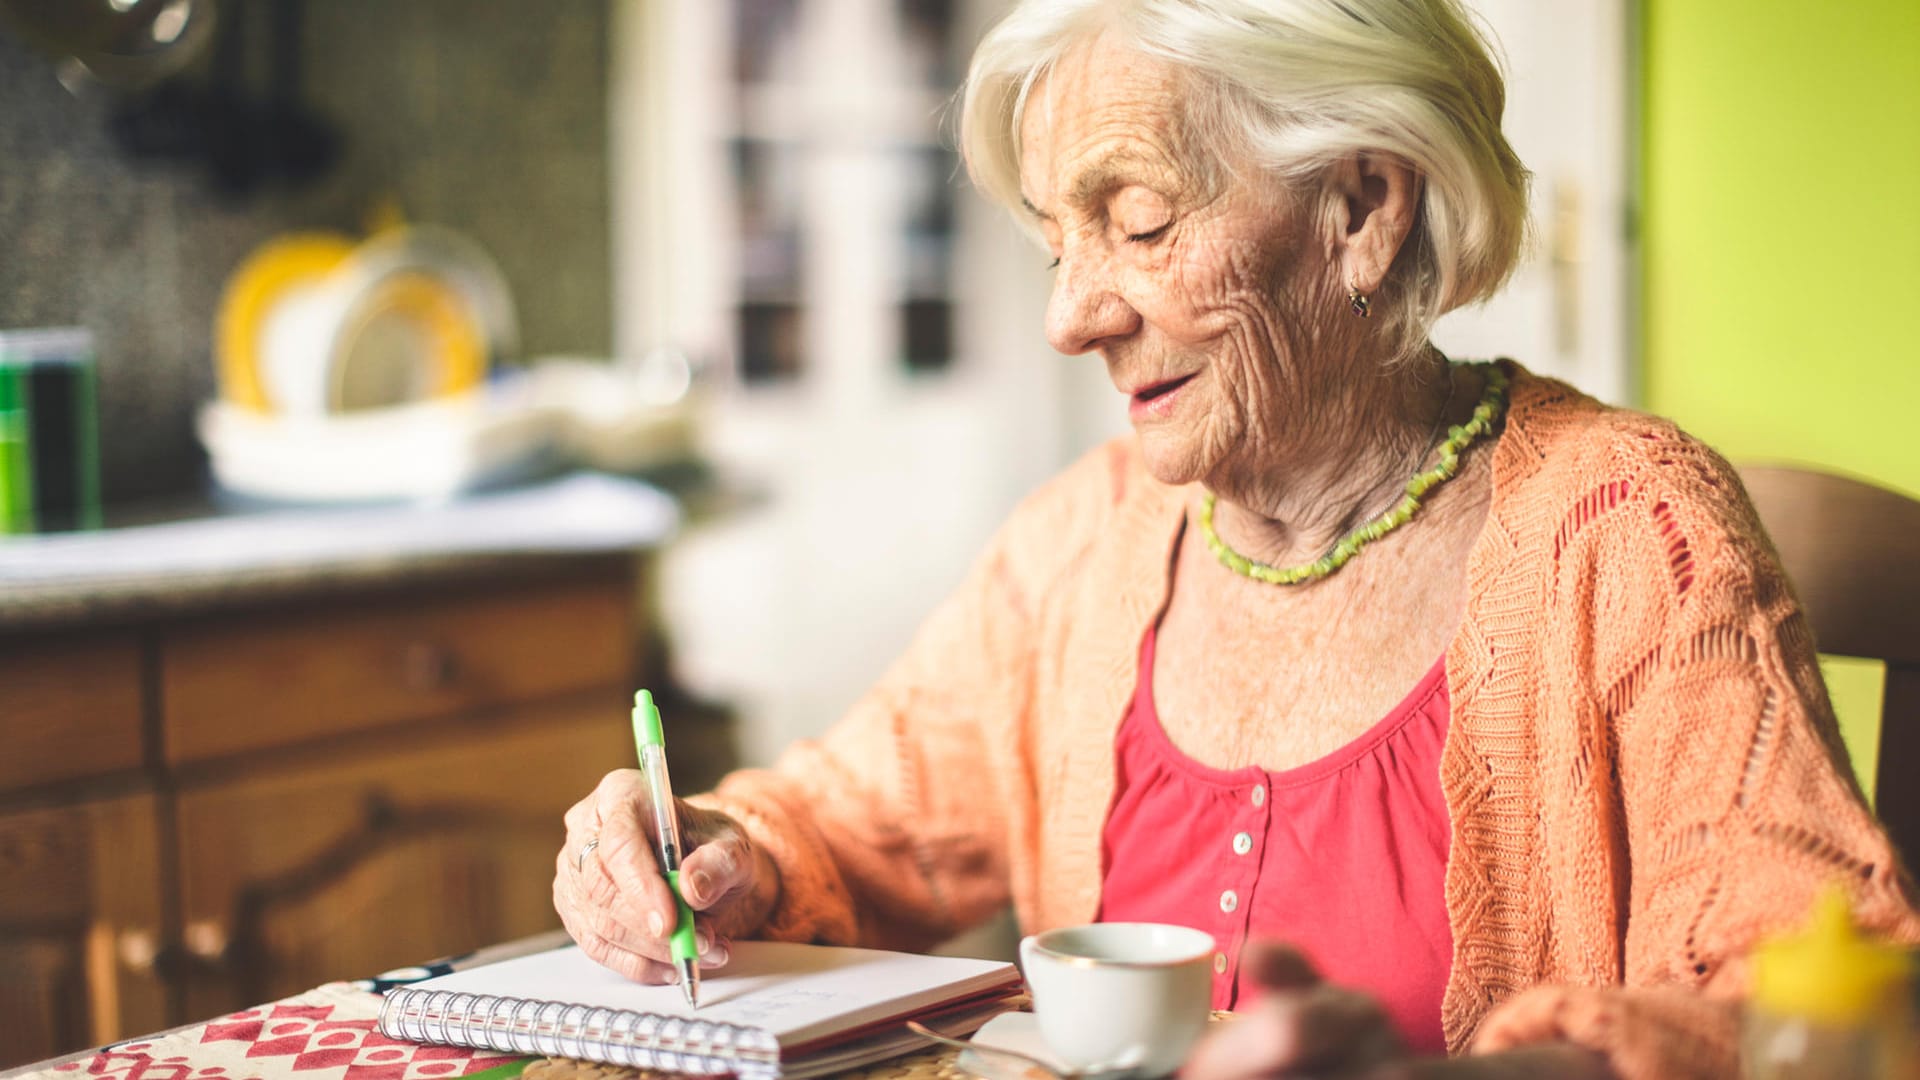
[[229, 560], [252, 752]]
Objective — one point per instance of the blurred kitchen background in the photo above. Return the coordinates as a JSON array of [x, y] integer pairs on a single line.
[[768, 187], [723, 247], [127, 211]]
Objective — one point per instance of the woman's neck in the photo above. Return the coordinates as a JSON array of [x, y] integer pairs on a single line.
[[1344, 466]]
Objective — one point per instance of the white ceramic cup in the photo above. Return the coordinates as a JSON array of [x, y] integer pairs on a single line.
[[1132, 995]]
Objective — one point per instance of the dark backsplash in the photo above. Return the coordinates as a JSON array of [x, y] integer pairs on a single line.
[[488, 116]]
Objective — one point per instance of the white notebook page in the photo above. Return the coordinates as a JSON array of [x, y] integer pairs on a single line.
[[797, 993]]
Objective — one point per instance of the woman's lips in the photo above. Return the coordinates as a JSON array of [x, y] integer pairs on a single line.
[[1158, 399]]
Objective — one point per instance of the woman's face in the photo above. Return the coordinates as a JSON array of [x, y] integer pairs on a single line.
[[1190, 291]]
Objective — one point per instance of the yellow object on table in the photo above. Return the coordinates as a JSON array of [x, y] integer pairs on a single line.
[[1829, 1003]]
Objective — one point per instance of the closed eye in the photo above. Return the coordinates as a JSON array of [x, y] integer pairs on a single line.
[[1150, 235]]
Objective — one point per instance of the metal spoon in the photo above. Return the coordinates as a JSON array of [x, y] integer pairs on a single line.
[[1032, 1068]]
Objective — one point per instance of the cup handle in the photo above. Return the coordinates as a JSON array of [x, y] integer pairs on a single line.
[[1027, 945]]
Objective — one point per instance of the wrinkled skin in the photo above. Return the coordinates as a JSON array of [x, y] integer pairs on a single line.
[[614, 901], [1165, 272]]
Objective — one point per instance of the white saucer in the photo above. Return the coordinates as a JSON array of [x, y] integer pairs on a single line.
[[1020, 1033]]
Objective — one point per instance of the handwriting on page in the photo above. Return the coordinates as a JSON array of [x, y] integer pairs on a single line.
[[769, 1005]]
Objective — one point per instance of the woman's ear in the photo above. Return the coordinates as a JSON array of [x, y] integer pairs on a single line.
[[1375, 200]]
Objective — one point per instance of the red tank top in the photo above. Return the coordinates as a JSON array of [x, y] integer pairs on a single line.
[[1344, 857]]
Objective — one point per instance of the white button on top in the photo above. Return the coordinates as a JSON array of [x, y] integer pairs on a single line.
[[1219, 963], [1242, 843], [1229, 900], [1259, 794]]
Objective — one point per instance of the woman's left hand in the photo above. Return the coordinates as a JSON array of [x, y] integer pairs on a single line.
[[1303, 1026]]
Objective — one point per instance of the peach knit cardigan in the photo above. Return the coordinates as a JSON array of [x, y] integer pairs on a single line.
[[1642, 770]]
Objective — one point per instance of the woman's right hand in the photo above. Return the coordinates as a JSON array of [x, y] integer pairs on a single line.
[[615, 902]]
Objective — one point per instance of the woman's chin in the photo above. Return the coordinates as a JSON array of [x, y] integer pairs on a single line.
[[1171, 461]]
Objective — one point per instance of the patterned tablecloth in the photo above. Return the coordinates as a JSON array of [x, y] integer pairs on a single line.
[[329, 1034], [324, 1034]]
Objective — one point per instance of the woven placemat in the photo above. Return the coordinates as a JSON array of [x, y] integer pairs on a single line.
[[933, 1063], [936, 1063]]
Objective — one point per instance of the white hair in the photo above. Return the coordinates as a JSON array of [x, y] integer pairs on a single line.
[[1295, 87]]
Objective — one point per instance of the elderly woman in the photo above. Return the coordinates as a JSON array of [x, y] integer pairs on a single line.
[[1489, 699]]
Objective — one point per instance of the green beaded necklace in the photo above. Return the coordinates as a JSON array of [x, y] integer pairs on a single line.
[[1458, 438]]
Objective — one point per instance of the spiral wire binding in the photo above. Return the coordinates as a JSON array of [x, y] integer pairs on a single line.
[[593, 1033]]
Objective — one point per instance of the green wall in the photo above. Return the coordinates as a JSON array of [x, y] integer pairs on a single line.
[[1782, 245]]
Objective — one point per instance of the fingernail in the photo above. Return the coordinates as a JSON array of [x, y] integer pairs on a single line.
[[703, 941], [718, 955], [656, 925], [697, 884]]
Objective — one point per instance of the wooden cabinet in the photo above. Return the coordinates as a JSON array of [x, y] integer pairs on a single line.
[[81, 921], [234, 685], [207, 810], [371, 861], [70, 708]]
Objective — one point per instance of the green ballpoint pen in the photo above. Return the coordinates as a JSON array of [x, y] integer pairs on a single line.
[[652, 744]]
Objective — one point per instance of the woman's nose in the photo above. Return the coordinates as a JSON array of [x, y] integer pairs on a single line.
[[1085, 307]]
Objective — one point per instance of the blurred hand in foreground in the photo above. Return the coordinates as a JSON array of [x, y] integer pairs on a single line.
[[1303, 1026]]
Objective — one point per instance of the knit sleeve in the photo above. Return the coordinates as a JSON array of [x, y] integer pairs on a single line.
[[1737, 804], [892, 829]]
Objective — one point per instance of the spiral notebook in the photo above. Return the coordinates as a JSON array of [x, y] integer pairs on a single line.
[[775, 1009]]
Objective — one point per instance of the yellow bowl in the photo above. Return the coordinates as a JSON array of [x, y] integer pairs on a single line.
[[263, 279]]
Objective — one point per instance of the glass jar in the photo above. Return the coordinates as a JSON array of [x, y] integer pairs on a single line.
[[1829, 1003]]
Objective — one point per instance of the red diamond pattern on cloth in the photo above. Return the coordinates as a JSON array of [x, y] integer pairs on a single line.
[[285, 1029], [368, 1055], [324, 1034]]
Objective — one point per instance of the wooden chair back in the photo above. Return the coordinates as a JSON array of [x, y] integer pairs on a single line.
[[1853, 552]]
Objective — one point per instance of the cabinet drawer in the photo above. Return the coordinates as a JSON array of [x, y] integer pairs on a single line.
[[268, 681], [69, 709]]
